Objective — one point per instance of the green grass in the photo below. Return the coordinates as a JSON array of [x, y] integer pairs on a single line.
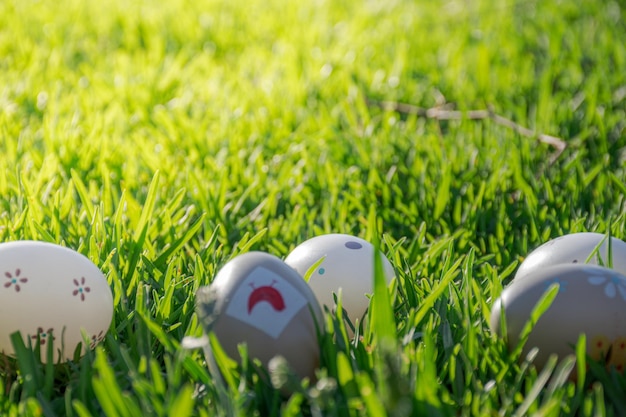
[[160, 139]]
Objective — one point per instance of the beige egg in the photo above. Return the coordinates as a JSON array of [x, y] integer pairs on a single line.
[[258, 300], [591, 300]]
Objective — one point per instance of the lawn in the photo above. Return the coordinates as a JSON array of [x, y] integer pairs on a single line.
[[162, 139]]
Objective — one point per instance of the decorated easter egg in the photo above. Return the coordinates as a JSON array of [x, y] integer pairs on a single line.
[[347, 263], [258, 300], [591, 300], [576, 248], [51, 295]]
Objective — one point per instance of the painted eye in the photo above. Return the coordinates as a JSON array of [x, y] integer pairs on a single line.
[[321, 271], [353, 245]]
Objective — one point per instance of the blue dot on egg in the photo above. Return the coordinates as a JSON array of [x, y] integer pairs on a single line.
[[321, 271], [353, 245]]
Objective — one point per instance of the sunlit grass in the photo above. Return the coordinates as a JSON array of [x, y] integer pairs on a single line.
[[161, 139]]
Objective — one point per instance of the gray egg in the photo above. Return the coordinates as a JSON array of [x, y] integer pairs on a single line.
[[591, 300], [258, 300]]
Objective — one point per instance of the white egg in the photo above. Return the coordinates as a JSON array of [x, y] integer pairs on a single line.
[[575, 248], [51, 294], [348, 264]]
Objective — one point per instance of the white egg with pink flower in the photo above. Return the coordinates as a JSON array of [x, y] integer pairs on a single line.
[[51, 294]]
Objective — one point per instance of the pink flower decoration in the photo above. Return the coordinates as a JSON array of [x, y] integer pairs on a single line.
[[15, 280], [81, 288]]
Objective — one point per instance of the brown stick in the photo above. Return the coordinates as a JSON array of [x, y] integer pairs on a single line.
[[444, 113]]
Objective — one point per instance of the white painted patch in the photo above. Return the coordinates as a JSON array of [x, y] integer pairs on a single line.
[[265, 300]]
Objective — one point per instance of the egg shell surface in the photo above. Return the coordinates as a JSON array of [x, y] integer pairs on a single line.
[[51, 294], [575, 248], [591, 300], [348, 264], [264, 303]]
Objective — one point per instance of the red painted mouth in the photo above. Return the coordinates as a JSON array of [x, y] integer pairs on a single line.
[[268, 294]]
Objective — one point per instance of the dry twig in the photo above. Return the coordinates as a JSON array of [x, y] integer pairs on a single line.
[[446, 113]]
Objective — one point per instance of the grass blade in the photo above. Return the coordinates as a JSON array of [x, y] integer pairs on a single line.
[[543, 304], [382, 322]]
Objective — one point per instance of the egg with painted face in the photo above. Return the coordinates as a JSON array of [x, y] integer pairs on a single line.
[[51, 295], [343, 262], [576, 248], [258, 300], [591, 300]]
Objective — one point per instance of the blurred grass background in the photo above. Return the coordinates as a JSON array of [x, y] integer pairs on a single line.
[[162, 138]]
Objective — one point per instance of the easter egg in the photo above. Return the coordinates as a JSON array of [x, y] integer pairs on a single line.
[[575, 248], [347, 263], [258, 300], [591, 300], [51, 295]]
